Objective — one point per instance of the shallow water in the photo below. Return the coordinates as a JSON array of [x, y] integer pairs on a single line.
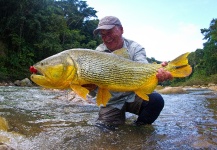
[[49, 120]]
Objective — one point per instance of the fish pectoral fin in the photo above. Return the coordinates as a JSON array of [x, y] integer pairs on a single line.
[[81, 91], [103, 96]]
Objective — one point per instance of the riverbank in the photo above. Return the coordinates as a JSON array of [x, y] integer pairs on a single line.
[[24, 82], [184, 89]]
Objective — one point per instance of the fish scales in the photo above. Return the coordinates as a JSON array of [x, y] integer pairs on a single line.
[[110, 70]]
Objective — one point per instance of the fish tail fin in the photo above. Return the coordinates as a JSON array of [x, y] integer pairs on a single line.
[[179, 67]]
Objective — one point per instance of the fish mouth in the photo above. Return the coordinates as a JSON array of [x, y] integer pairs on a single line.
[[37, 74], [36, 71], [40, 79]]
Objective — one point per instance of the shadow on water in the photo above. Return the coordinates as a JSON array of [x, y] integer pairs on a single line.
[[32, 118]]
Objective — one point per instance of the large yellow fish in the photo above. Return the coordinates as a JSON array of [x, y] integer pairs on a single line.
[[110, 72]]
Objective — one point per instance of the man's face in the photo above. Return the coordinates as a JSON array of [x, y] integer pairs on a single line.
[[112, 38]]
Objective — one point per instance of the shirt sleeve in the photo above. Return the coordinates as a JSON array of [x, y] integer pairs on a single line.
[[137, 52]]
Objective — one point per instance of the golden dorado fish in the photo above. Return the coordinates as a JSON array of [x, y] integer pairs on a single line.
[[110, 72]]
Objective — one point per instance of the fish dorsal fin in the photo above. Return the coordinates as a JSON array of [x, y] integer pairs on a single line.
[[122, 53], [103, 96], [81, 91]]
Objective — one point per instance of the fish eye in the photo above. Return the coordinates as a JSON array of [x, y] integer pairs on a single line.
[[42, 64]]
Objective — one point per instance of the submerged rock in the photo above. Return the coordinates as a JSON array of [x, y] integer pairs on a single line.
[[24, 82], [213, 87], [5, 147]]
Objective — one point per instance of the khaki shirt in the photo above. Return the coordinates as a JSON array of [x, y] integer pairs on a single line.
[[136, 53]]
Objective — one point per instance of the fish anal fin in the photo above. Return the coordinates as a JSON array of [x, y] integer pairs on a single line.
[[81, 91], [142, 94], [103, 96], [148, 88]]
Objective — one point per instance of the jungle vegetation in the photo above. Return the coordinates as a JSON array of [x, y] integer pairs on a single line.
[[31, 30]]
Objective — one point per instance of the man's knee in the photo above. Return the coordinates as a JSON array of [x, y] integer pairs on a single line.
[[150, 111], [156, 101]]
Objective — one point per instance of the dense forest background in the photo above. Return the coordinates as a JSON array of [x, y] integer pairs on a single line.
[[31, 30]]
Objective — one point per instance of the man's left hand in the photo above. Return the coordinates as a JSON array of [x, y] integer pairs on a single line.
[[162, 74]]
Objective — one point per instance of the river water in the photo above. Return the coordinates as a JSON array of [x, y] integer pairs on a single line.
[[37, 119]]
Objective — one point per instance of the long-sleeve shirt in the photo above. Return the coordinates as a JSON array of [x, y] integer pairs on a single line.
[[136, 53]]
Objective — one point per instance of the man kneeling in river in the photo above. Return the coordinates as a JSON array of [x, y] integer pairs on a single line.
[[113, 114]]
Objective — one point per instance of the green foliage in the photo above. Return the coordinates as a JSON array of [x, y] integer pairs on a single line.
[[212, 79], [210, 58], [32, 30], [194, 81], [3, 69], [210, 48], [153, 60], [199, 79]]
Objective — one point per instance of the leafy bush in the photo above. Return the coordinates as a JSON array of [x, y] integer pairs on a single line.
[[212, 79], [3, 73]]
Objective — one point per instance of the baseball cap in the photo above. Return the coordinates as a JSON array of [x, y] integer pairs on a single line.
[[107, 23]]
